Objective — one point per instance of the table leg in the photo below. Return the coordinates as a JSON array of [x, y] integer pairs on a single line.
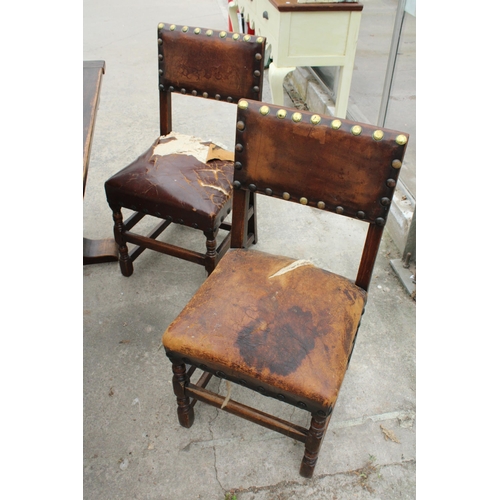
[[98, 251], [276, 77]]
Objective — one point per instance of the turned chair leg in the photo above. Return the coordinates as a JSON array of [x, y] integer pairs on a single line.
[[126, 265], [185, 412], [314, 440], [252, 222], [211, 255]]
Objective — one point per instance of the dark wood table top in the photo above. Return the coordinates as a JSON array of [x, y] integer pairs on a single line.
[[293, 6], [92, 75]]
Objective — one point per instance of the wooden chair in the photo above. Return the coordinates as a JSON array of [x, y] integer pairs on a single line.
[[283, 327], [183, 187]]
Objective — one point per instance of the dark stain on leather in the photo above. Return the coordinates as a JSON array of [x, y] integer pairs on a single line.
[[279, 341]]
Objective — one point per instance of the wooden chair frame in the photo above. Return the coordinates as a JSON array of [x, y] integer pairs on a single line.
[[240, 60], [354, 173]]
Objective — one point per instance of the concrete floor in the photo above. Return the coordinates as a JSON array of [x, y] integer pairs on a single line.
[[133, 447]]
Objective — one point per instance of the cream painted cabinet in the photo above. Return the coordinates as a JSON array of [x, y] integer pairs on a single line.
[[305, 34]]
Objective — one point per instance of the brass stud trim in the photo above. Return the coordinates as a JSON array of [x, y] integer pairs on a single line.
[[303, 201], [286, 196], [160, 41], [222, 34], [243, 105], [391, 183], [269, 191], [260, 39], [321, 205], [256, 73], [258, 56], [378, 135], [161, 26], [172, 27], [336, 124], [401, 139], [396, 164], [240, 125], [238, 165], [205, 94], [197, 31], [281, 113], [264, 110], [339, 210], [315, 119], [296, 117], [236, 36], [361, 214], [247, 38], [356, 130], [185, 29], [209, 33]]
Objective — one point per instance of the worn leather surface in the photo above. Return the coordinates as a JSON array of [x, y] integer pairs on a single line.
[[177, 186], [344, 168], [215, 64], [286, 335]]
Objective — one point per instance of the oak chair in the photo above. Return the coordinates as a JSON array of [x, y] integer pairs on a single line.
[[180, 179], [279, 326]]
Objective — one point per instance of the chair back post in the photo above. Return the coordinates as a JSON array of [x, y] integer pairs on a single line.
[[338, 166], [207, 63]]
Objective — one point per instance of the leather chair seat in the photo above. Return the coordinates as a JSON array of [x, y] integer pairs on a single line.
[[174, 174], [279, 326]]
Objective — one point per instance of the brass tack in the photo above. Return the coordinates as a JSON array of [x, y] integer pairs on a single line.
[[303, 201], [252, 187], [237, 184], [264, 110], [336, 124], [239, 148], [356, 130], [209, 33], [296, 117], [378, 135], [229, 99], [260, 39], [194, 92], [256, 88], [247, 38], [258, 56], [385, 201], [236, 36], [269, 191], [172, 27], [197, 31], [205, 94], [183, 91], [321, 204], [160, 71], [160, 41], [217, 97], [286, 196], [161, 26], [391, 183], [396, 164], [380, 221], [339, 210], [171, 88], [281, 113], [160, 57], [243, 105], [361, 214], [223, 34], [161, 86], [401, 139], [315, 119], [240, 125], [238, 165], [185, 29]]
